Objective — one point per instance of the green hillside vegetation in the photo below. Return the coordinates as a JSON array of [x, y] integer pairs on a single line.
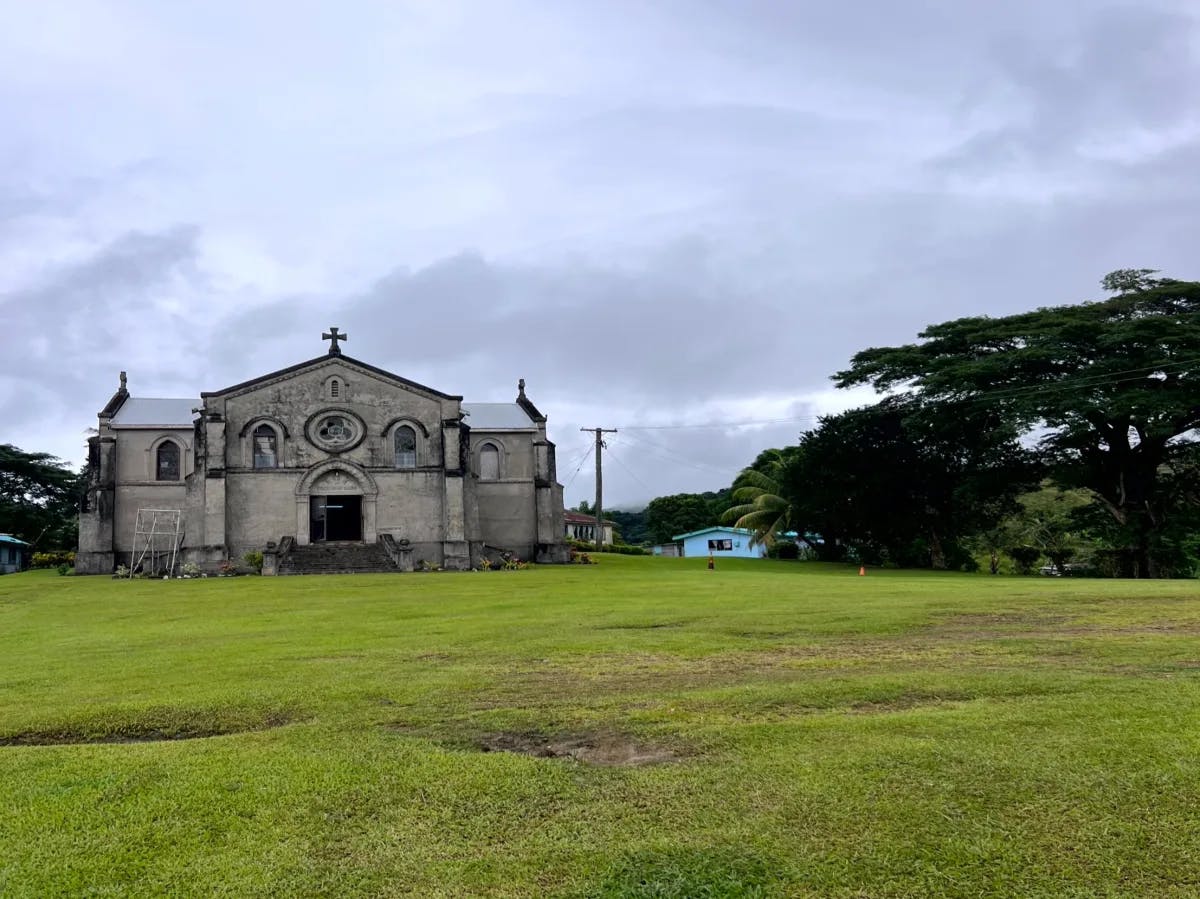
[[641, 727]]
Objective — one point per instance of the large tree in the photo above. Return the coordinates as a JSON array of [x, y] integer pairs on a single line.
[[38, 498], [904, 482], [680, 513], [1112, 386]]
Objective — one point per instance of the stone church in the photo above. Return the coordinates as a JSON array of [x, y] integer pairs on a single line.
[[328, 465]]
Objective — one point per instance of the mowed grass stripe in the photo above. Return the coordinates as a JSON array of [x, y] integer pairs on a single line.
[[900, 734]]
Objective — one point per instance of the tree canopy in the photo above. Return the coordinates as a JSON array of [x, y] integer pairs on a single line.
[[38, 498], [680, 513], [1112, 388]]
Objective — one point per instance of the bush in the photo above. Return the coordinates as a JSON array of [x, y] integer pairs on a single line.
[[784, 549], [623, 549], [1025, 557], [52, 559], [65, 569], [254, 560]]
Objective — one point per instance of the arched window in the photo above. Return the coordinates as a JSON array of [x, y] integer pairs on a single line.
[[167, 461], [266, 447], [335, 388], [405, 440], [489, 462]]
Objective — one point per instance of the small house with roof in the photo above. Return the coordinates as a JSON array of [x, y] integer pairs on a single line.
[[720, 541], [581, 526], [12, 553]]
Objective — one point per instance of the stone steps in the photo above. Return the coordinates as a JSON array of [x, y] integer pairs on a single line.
[[337, 558]]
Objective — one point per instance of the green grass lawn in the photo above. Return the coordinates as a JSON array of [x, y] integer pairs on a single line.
[[810, 733]]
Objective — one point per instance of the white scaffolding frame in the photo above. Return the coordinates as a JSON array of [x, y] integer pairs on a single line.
[[157, 534]]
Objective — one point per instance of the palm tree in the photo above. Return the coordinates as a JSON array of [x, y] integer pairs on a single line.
[[762, 507]]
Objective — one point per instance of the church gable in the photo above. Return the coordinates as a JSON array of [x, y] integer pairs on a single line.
[[330, 364], [331, 406]]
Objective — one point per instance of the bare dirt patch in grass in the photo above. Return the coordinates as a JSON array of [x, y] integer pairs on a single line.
[[602, 747], [606, 748]]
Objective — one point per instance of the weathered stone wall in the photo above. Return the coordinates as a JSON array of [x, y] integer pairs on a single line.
[[136, 449], [507, 515], [136, 487], [410, 505], [516, 452], [294, 399], [260, 508]]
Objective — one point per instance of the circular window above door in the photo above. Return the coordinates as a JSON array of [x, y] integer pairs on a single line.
[[335, 430]]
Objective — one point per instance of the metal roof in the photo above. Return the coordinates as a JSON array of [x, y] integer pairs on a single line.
[[497, 417], [9, 538], [146, 412], [572, 517], [744, 532]]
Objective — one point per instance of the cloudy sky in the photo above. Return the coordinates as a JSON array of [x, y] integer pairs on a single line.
[[668, 217]]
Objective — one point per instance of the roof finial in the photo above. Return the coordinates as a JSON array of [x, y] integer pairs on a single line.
[[521, 389], [333, 337], [124, 381]]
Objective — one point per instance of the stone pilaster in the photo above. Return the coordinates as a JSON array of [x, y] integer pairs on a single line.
[[95, 554], [548, 501], [214, 487], [456, 552]]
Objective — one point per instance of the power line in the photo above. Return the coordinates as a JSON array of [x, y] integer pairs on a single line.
[[579, 468], [628, 470], [1141, 373], [722, 424], [667, 455]]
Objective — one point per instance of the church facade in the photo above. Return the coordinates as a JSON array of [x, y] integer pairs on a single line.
[[331, 451]]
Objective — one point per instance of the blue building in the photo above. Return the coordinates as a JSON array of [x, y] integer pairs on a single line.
[[12, 554], [720, 541]]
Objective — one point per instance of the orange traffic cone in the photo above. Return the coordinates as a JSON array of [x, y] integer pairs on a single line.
[[862, 570]]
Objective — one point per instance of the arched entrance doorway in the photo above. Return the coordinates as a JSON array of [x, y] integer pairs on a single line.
[[335, 501], [333, 518]]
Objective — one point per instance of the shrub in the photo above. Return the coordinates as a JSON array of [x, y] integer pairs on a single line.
[[254, 560], [1025, 557], [228, 569], [784, 549], [122, 571], [64, 569], [190, 569], [623, 549], [52, 559]]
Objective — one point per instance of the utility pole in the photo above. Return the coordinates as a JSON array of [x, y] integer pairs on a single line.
[[598, 511]]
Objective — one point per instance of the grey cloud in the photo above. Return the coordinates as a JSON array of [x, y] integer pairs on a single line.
[[670, 203], [1124, 70], [81, 322]]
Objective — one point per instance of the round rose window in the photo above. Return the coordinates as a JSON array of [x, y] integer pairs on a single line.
[[335, 432]]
